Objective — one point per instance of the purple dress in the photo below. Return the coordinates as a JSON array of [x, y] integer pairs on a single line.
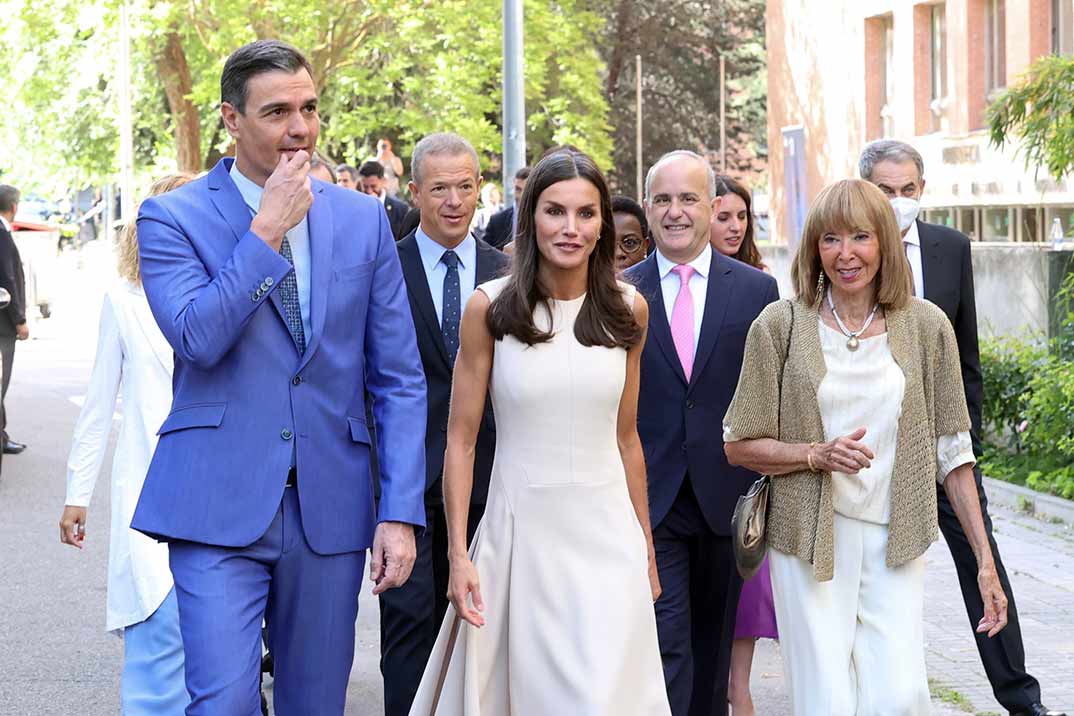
[[756, 617]]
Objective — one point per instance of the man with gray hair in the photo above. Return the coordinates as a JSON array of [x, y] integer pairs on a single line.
[[13, 318], [442, 264], [702, 306], [942, 271]]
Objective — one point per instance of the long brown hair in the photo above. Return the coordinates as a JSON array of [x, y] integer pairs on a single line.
[[604, 319], [127, 238], [747, 252]]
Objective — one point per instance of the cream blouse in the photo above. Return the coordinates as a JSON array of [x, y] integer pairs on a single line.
[[865, 388]]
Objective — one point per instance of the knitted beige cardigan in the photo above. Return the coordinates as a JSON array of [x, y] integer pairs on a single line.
[[800, 513]]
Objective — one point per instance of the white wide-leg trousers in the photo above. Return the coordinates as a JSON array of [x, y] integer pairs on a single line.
[[853, 646]]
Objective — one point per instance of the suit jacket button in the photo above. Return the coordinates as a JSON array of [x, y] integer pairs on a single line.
[[286, 434], [269, 281], [263, 287], [684, 447], [296, 380], [689, 404], [254, 297]]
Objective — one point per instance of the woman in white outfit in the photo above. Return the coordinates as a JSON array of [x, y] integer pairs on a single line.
[[552, 609], [132, 357], [851, 398]]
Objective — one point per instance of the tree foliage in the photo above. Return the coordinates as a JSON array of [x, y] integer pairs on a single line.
[[396, 68], [680, 43], [1039, 112]]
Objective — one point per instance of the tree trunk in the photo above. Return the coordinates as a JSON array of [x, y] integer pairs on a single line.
[[174, 74], [615, 64]]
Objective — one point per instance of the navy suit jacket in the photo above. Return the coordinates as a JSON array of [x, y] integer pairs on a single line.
[[396, 210], [490, 264], [245, 401], [680, 422], [501, 228], [947, 272]]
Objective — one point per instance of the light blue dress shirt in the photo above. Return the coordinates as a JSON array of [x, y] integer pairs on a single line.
[[436, 270], [298, 237]]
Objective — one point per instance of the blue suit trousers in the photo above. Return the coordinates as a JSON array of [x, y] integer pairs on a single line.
[[309, 601]]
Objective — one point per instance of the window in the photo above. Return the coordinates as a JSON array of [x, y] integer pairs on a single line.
[[1063, 27], [995, 45], [887, 75]]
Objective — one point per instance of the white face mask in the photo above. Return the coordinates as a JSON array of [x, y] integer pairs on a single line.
[[906, 211]]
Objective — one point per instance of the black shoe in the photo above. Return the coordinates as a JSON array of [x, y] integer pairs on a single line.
[[13, 448], [1038, 709]]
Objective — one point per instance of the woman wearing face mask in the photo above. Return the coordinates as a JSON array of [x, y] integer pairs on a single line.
[[552, 609], [852, 401], [731, 228]]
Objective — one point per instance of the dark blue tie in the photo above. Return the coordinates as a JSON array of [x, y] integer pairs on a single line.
[[451, 309], [289, 295]]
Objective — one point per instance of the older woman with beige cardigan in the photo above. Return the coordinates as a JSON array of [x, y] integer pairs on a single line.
[[850, 397]]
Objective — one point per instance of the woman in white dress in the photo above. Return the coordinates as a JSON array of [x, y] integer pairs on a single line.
[[552, 609], [132, 356]]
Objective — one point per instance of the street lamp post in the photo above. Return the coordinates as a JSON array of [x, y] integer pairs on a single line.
[[514, 97]]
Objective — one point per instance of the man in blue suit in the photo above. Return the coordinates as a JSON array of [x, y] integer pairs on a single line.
[[703, 305], [284, 302]]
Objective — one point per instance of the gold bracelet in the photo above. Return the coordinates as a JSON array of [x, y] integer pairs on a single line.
[[809, 457]]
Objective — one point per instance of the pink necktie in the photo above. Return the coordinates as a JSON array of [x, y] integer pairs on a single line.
[[682, 320]]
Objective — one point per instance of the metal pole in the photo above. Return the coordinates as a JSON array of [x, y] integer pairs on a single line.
[[126, 133], [637, 148], [514, 97], [723, 116]]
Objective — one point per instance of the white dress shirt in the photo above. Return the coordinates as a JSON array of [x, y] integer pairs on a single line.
[[299, 239], [132, 357], [436, 270], [699, 285], [6, 224], [912, 245]]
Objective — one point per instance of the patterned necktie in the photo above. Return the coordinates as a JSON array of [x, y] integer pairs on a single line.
[[682, 320], [451, 309], [289, 295]]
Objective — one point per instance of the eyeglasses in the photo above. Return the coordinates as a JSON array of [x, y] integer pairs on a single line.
[[631, 244]]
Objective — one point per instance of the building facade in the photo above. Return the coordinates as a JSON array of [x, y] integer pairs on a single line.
[[844, 72]]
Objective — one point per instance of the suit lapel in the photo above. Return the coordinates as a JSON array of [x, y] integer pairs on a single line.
[[418, 286], [930, 261], [649, 285], [143, 316], [229, 202], [717, 296], [321, 233]]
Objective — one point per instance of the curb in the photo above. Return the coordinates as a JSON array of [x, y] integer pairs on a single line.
[[1024, 499]]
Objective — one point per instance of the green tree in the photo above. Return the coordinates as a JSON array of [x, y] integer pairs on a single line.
[[399, 68], [1038, 111]]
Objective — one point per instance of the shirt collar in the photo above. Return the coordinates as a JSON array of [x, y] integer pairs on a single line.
[[431, 252], [251, 192], [7, 225], [382, 195], [701, 264], [912, 237]]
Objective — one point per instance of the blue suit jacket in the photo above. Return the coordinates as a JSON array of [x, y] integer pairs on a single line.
[[245, 400], [680, 423]]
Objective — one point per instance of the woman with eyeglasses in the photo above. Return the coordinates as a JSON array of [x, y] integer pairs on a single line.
[[631, 232]]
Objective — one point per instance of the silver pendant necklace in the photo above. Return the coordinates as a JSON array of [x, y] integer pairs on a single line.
[[852, 336]]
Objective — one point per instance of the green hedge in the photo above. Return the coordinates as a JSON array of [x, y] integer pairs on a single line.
[[1029, 408]]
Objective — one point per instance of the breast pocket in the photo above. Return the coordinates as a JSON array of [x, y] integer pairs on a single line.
[[357, 272]]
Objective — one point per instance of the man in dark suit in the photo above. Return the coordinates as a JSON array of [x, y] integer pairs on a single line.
[[442, 264], [13, 318], [501, 228], [701, 306], [943, 273], [371, 181]]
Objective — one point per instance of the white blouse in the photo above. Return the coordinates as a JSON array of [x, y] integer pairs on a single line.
[[865, 388]]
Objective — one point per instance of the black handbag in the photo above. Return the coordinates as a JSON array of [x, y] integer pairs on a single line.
[[749, 523]]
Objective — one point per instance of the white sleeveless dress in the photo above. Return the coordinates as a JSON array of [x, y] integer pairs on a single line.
[[569, 620]]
